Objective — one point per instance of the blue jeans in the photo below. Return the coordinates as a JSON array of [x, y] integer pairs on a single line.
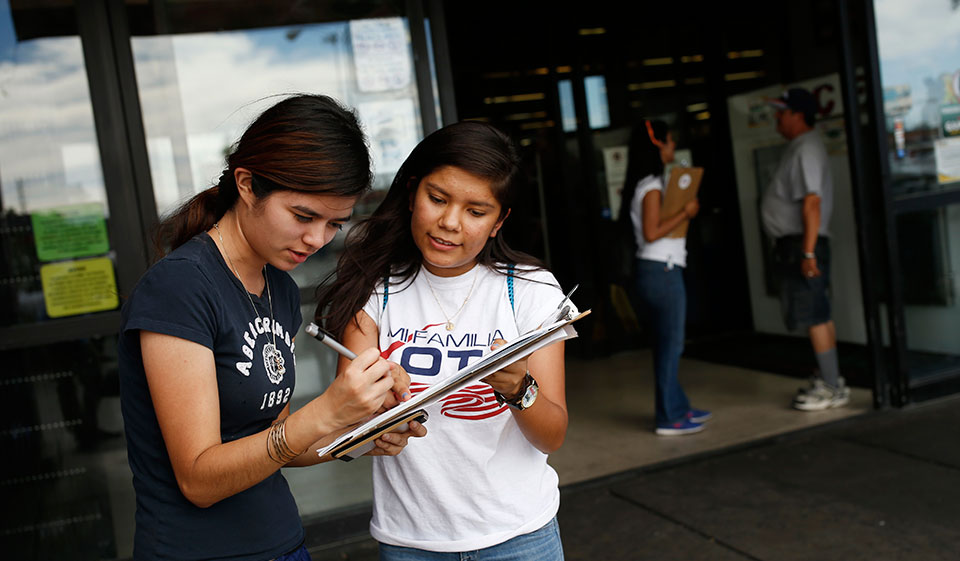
[[542, 545], [664, 298], [299, 554]]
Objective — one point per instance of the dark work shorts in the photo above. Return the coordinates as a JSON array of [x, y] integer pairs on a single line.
[[805, 302]]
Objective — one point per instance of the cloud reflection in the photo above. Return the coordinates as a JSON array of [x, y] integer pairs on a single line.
[[197, 93]]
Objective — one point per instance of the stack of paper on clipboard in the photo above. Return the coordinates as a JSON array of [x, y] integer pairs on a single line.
[[361, 439]]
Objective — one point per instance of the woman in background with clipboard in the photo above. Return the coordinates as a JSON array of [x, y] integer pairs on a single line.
[[659, 220]]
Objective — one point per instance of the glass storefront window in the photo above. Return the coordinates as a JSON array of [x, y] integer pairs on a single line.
[[199, 91], [919, 44], [55, 258], [919, 49], [929, 264], [65, 481], [598, 109], [568, 115]]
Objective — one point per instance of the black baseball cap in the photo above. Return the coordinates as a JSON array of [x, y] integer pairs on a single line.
[[796, 99]]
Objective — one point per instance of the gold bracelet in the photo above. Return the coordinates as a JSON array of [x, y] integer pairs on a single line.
[[270, 442], [277, 447], [282, 441]]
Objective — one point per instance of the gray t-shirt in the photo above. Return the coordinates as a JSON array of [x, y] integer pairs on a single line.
[[803, 170]]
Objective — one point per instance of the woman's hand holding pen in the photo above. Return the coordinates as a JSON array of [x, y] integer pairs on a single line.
[[509, 380], [401, 380], [364, 386]]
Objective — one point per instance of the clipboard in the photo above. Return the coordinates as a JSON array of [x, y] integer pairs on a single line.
[[358, 441], [682, 187], [360, 446]]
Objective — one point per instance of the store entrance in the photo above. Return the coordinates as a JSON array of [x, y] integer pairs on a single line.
[[573, 87]]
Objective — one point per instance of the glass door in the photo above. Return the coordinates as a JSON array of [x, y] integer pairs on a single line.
[[918, 49], [69, 240]]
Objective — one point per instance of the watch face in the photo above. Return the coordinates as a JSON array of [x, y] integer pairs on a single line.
[[530, 395]]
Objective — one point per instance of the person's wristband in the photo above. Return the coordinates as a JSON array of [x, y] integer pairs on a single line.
[[809, 255]]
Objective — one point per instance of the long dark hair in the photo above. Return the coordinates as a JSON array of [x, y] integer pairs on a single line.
[[382, 245], [307, 143], [643, 159]]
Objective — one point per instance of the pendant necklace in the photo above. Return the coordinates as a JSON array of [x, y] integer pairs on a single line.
[[271, 354], [460, 309]]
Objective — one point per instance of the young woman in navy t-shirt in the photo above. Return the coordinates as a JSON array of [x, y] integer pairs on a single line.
[[207, 365]]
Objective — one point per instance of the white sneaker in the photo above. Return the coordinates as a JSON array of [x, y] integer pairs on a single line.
[[820, 396]]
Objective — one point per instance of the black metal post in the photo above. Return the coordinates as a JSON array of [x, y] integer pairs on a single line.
[[861, 209], [899, 376], [421, 65], [441, 61]]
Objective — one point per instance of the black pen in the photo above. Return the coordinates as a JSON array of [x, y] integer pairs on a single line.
[[314, 331]]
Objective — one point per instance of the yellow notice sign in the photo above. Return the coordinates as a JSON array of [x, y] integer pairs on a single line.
[[79, 287]]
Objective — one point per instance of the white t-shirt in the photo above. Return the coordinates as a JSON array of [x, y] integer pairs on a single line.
[[474, 481], [666, 249]]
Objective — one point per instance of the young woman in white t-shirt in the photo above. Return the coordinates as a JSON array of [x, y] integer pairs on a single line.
[[658, 264], [430, 281]]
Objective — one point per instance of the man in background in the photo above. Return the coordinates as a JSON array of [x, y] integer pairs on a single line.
[[796, 211]]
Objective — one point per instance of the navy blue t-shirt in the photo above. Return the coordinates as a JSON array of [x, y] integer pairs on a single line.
[[192, 294]]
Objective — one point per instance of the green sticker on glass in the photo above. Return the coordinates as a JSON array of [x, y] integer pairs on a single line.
[[950, 120], [69, 232]]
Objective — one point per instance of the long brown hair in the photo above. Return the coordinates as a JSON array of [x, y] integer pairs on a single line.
[[382, 245], [307, 143], [643, 159]]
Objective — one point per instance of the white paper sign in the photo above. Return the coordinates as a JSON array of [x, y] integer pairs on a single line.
[[393, 131], [947, 152], [615, 166], [381, 56]]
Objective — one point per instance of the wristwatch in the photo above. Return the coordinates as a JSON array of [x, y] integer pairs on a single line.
[[809, 255], [524, 398]]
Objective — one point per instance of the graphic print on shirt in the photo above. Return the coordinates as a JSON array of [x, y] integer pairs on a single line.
[[424, 353], [263, 327], [273, 361]]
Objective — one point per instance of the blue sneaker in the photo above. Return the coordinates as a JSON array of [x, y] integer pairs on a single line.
[[699, 415], [685, 426]]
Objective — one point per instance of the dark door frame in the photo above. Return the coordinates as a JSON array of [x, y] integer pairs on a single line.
[[856, 149], [895, 382]]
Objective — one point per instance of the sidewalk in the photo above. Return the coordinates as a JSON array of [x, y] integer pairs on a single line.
[[879, 486]]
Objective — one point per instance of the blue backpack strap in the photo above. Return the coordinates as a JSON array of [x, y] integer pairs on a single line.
[[510, 269], [386, 293]]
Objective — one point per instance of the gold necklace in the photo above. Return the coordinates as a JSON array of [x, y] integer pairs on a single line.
[[271, 354], [460, 309]]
